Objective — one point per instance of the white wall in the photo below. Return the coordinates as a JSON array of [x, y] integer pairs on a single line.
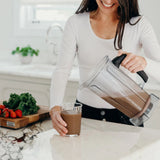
[[5, 24], [151, 10], [8, 41]]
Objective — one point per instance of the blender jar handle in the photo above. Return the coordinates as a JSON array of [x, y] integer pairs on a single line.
[[118, 60]]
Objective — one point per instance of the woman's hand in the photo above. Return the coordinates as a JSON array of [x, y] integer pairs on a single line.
[[133, 62], [58, 123]]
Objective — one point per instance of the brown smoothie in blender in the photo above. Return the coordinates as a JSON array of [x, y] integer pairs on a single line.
[[130, 105]]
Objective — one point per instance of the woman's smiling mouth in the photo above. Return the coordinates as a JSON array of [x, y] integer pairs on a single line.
[[107, 5]]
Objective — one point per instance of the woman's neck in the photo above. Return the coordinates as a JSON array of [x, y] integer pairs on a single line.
[[105, 18], [104, 25]]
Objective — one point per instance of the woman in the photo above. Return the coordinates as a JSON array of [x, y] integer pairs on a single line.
[[100, 28]]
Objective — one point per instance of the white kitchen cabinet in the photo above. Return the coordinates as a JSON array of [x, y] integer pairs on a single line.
[[38, 87], [18, 84]]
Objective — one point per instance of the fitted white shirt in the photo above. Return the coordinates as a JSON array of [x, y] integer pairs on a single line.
[[80, 40]]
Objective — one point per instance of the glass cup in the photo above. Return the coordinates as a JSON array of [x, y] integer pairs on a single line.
[[71, 114]]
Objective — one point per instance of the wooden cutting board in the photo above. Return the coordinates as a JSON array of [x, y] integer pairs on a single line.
[[16, 123]]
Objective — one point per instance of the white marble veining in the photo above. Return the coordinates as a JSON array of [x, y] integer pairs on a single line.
[[18, 133], [98, 140], [12, 142]]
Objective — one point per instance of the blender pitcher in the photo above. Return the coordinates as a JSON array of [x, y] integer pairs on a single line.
[[118, 89]]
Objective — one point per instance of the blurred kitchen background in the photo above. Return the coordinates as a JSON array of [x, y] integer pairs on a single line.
[[26, 22], [40, 23]]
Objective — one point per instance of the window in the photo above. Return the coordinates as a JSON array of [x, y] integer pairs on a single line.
[[33, 17]]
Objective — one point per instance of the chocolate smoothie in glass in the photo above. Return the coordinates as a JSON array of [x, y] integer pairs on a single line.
[[72, 116]]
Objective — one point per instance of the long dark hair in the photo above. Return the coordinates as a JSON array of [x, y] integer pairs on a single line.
[[126, 10]]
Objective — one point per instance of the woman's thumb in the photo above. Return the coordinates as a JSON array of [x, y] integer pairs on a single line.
[[120, 52]]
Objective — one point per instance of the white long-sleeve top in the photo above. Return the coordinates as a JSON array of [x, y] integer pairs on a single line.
[[80, 40]]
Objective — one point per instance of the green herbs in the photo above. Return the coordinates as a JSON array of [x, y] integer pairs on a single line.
[[25, 102], [25, 51], [13, 101]]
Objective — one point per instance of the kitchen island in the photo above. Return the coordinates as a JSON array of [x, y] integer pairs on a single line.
[[98, 140], [12, 141]]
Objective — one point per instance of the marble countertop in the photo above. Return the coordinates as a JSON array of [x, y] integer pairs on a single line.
[[33, 70], [98, 140], [12, 142]]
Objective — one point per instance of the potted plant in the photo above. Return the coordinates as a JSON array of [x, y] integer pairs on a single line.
[[26, 54]]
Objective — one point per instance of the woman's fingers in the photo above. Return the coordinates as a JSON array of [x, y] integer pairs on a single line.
[[59, 131], [58, 123], [133, 62], [60, 126], [130, 64], [127, 60], [60, 120], [136, 64], [120, 52], [136, 69]]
